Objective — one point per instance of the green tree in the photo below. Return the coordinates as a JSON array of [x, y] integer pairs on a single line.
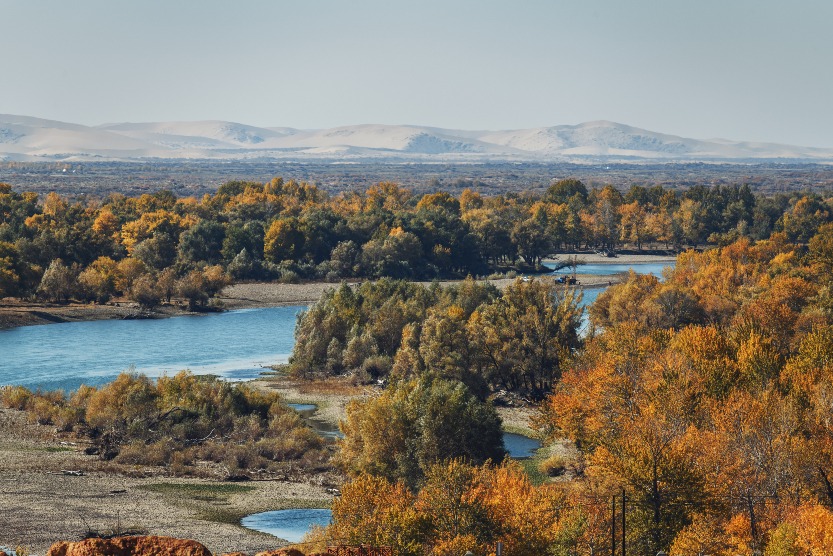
[[563, 191], [415, 424], [446, 349], [9, 270], [58, 282], [527, 336], [202, 242]]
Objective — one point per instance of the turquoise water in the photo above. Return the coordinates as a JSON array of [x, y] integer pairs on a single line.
[[290, 525], [306, 409], [613, 268], [589, 295], [235, 345]]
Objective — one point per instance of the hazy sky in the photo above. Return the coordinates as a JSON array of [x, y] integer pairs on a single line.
[[756, 70]]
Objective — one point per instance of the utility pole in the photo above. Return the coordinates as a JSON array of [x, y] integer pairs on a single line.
[[623, 521], [613, 527]]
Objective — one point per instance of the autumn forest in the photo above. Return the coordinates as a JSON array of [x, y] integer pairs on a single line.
[[700, 402], [154, 246]]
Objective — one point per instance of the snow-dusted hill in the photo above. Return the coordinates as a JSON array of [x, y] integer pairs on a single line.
[[27, 138]]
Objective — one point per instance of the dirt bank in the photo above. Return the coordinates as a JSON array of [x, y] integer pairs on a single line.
[[41, 503]]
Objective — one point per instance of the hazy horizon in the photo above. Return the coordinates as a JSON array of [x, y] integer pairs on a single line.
[[745, 71]]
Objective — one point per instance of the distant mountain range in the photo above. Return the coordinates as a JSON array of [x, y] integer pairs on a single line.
[[25, 138]]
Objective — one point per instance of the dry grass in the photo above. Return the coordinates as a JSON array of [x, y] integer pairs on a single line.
[[339, 386], [42, 505]]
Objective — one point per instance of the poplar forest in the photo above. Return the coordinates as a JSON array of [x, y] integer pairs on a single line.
[[704, 398]]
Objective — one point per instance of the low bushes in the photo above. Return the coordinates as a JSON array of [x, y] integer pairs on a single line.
[[177, 422]]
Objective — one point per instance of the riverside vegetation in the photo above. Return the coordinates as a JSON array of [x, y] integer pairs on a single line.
[[704, 397], [193, 425], [156, 246]]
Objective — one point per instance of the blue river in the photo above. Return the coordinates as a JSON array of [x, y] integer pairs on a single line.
[[235, 345]]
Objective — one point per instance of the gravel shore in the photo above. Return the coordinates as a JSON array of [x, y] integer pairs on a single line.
[[42, 504], [248, 295]]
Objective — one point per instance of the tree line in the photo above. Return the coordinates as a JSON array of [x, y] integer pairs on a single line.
[[706, 397], [156, 246]]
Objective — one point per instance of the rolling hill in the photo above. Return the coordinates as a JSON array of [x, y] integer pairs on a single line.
[[32, 139]]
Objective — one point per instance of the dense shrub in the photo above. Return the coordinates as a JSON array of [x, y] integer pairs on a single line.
[[178, 420], [416, 424]]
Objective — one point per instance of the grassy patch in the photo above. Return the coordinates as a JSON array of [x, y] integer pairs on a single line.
[[207, 499], [523, 431], [58, 449], [198, 491], [210, 501], [221, 515], [531, 466], [296, 504]]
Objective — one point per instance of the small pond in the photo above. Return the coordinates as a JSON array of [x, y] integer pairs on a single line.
[[325, 429], [305, 409], [519, 446], [290, 525]]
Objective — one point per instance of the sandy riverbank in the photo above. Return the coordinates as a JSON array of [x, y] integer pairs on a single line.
[[624, 258], [259, 294], [40, 504], [15, 313]]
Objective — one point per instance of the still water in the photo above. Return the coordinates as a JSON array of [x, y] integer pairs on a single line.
[[290, 525], [235, 345], [519, 446]]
